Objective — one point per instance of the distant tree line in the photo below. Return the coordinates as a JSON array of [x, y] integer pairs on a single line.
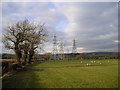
[[7, 56], [97, 56], [47, 56]]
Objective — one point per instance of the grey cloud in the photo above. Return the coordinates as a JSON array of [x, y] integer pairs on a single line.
[[36, 12], [94, 25]]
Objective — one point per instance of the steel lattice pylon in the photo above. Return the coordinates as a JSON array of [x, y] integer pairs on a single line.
[[61, 51], [74, 47], [55, 51]]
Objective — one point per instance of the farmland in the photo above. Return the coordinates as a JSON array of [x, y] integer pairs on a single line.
[[66, 74]]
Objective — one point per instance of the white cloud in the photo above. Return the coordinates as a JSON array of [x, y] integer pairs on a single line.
[[60, 1], [116, 41], [93, 25]]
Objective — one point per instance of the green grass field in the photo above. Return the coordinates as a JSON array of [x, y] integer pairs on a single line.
[[7, 60], [66, 74]]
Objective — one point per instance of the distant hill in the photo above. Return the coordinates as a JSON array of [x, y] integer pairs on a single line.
[[7, 56], [103, 52], [96, 53], [99, 54], [93, 55]]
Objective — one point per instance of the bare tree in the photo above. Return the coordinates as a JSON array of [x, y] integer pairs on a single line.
[[15, 36], [36, 38], [24, 36], [25, 49]]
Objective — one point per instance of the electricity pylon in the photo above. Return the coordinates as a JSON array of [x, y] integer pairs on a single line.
[[55, 51], [74, 47], [61, 50]]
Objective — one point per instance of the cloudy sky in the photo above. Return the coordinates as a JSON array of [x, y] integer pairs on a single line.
[[94, 25]]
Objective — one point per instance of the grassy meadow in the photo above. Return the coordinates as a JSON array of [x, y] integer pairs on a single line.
[[7, 60], [66, 74]]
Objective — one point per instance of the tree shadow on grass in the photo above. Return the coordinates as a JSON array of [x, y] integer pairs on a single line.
[[29, 76], [25, 78], [35, 69]]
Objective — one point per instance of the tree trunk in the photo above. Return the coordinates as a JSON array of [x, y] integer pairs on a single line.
[[25, 57], [31, 53], [18, 56], [30, 58]]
